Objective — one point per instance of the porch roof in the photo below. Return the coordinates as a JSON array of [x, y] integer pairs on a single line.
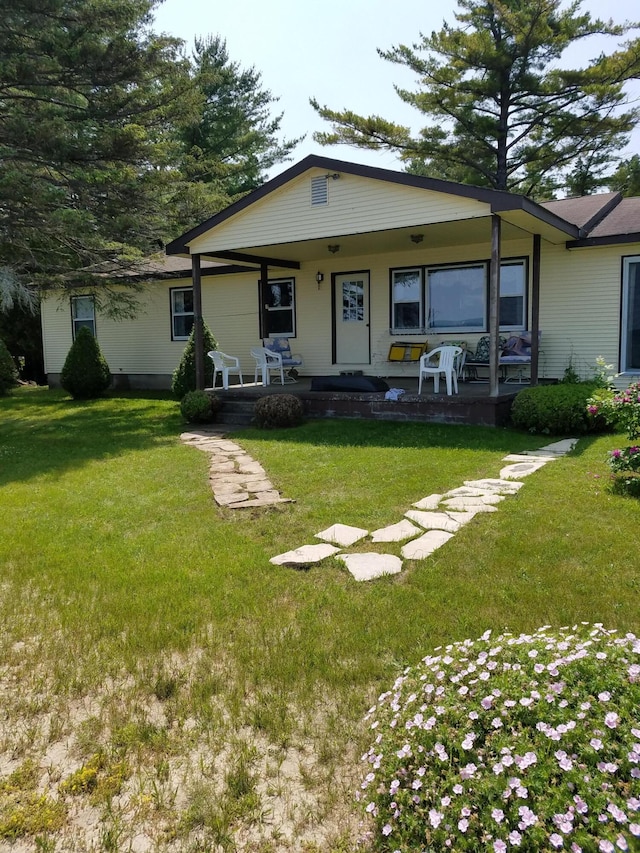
[[520, 215]]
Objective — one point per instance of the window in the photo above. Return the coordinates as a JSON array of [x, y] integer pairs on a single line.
[[455, 298], [83, 314], [278, 314], [513, 287], [407, 292], [181, 313]]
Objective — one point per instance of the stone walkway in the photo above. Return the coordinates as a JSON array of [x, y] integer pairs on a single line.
[[438, 518], [237, 481]]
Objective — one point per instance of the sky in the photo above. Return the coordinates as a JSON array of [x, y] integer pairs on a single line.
[[328, 50]]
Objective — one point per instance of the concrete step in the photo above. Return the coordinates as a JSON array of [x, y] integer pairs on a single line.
[[236, 411]]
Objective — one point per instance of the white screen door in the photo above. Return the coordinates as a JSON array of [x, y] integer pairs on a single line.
[[351, 318]]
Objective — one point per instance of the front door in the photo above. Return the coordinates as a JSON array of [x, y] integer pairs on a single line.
[[351, 318], [630, 343]]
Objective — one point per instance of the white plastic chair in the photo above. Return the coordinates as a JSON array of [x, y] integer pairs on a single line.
[[266, 361], [445, 364], [224, 364]]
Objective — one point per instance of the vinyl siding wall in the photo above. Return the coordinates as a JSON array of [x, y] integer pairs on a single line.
[[356, 206], [579, 314]]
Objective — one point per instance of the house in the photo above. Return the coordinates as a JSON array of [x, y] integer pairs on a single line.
[[347, 260]]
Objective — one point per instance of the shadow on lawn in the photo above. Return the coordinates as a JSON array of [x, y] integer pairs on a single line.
[[43, 431], [370, 433]]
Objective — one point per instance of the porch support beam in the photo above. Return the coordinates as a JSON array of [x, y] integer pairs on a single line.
[[196, 280], [245, 258], [494, 306], [264, 284], [535, 309]]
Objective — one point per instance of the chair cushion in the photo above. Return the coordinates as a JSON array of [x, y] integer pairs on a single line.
[[279, 345], [482, 349]]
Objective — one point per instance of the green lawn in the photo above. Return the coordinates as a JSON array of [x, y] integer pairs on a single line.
[[143, 624]]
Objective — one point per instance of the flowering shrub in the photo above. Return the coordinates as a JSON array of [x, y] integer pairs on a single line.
[[622, 410], [529, 742]]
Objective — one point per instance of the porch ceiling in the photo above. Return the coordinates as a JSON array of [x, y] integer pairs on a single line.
[[447, 234]]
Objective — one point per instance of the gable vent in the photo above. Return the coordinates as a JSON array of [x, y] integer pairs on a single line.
[[319, 191]]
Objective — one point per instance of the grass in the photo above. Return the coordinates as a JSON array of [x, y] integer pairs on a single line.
[[145, 625]]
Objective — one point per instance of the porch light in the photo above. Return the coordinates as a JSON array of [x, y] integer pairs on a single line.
[[333, 248], [319, 278], [417, 238]]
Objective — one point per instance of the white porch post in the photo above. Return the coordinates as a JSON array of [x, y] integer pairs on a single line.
[[494, 306], [197, 320]]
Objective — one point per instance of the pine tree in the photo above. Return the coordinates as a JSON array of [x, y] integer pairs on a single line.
[[184, 376], [85, 373], [501, 111]]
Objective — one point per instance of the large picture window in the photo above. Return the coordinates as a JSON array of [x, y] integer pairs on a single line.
[[455, 297], [83, 314], [181, 313], [278, 313]]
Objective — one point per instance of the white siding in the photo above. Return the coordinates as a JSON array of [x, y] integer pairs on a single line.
[[580, 295], [356, 206], [579, 313]]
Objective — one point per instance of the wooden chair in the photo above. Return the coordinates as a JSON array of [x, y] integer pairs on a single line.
[[445, 364]]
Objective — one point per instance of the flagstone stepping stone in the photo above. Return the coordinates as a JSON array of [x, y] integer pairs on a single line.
[[463, 517], [520, 469], [237, 480], [530, 457], [463, 505], [467, 491], [396, 532], [366, 567], [342, 534], [565, 445], [488, 499], [425, 545], [305, 555], [494, 485], [430, 502], [433, 520]]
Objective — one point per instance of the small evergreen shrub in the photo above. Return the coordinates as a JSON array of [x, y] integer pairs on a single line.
[[8, 372], [184, 376], [556, 409], [85, 373], [199, 407], [277, 411]]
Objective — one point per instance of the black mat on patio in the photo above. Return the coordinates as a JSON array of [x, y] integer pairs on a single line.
[[363, 384]]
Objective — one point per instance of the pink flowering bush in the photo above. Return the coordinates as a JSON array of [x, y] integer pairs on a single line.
[[622, 411], [525, 743]]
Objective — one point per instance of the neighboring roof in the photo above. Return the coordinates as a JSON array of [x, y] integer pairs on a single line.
[[498, 200], [585, 211]]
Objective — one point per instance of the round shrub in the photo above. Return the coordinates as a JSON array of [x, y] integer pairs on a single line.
[[278, 410], [8, 372], [529, 742], [199, 407], [184, 376], [85, 373], [556, 409]]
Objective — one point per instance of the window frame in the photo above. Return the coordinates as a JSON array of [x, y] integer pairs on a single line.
[[265, 310], [81, 322], [175, 314], [423, 328]]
